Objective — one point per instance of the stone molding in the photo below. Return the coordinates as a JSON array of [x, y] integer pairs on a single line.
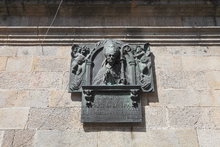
[[119, 7], [59, 35]]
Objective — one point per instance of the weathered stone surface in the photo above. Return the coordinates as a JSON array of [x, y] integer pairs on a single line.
[[176, 80], [197, 80], [49, 50], [66, 138], [214, 50], [179, 97], [182, 80], [213, 79], [188, 97], [165, 138], [64, 51], [115, 137], [211, 99], [29, 50], [209, 138], [23, 138], [214, 115], [14, 80], [1, 137], [64, 99], [31, 98], [191, 117], [185, 51], [159, 51], [13, 118], [8, 138], [54, 118], [19, 64], [8, 51], [49, 80], [3, 61], [51, 64], [168, 63], [58, 51], [65, 83], [5, 95], [189, 50], [201, 63], [52, 51], [18, 138], [155, 117]]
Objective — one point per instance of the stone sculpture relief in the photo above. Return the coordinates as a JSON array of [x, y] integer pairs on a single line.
[[111, 75], [122, 64]]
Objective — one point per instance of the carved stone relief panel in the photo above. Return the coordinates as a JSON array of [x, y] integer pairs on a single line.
[[111, 75]]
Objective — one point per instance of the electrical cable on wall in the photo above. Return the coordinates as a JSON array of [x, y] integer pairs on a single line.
[[52, 22]]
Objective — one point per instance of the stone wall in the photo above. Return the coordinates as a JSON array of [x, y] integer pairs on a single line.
[[36, 109]]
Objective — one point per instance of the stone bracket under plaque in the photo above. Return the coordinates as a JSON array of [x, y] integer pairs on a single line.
[[111, 75]]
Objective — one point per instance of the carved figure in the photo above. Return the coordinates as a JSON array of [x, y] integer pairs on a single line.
[[80, 58], [109, 74], [142, 57]]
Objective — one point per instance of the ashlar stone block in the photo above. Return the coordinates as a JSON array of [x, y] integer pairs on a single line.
[[8, 51], [209, 138], [51, 80], [29, 51], [8, 138], [27, 98], [182, 80], [13, 118], [188, 97], [213, 79], [168, 63], [19, 64], [165, 138], [5, 95], [155, 117], [15, 80], [18, 138], [193, 117], [201, 63], [64, 99], [65, 138], [51, 64], [54, 118], [3, 61], [214, 50], [1, 137], [115, 137], [176, 80]]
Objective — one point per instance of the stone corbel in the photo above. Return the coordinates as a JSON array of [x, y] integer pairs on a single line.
[[88, 97], [134, 94]]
